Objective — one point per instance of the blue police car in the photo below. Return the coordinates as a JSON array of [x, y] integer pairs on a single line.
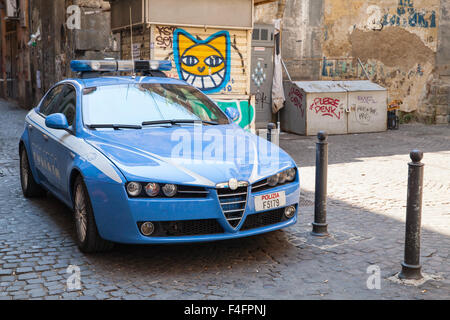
[[148, 159]]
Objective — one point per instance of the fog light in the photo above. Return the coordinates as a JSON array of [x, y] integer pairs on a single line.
[[289, 212], [147, 228]]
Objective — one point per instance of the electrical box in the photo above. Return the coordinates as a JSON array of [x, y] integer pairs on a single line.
[[337, 107], [262, 73]]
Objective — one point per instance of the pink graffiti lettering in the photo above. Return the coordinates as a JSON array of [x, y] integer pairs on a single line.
[[296, 97], [327, 107]]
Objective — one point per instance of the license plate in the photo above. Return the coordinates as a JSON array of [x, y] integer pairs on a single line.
[[270, 201]]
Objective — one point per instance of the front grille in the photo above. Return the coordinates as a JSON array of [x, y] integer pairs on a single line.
[[263, 219], [191, 192], [186, 228], [233, 203]]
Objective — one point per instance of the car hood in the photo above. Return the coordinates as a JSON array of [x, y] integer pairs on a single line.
[[192, 155]]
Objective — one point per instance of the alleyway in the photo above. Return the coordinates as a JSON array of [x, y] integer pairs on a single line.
[[366, 213]]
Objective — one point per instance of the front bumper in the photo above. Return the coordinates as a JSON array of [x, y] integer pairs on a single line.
[[182, 220]]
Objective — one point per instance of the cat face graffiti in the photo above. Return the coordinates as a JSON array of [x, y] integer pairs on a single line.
[[204, 64]]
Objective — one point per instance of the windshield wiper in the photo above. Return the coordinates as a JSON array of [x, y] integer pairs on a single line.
[[114, 126], [174, 122]]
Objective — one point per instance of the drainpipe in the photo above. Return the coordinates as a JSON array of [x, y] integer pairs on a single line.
[[280, 15]]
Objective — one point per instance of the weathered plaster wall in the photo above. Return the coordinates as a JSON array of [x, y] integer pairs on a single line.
[[436, 105], [58, 44], [396, 40], [402, 44], [302, 34]]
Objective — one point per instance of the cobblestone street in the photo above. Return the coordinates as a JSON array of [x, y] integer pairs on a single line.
[[366, 214]]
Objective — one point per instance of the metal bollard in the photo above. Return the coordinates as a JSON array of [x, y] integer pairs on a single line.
[[270, 127], [411, 268], [320, 226]]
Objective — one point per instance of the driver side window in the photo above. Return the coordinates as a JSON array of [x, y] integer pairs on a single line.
[[67, 104], [50, 102], [61, 99]]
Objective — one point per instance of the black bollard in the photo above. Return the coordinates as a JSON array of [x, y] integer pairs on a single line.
[[411, 268], [270, 127], [320, 226]]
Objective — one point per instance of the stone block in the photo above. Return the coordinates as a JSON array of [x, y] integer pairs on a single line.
[[94, 33], [442, 110], [442, 119]]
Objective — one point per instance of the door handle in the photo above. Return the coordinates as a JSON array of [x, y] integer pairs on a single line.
[[30, 127], [350, 108], [45, 137]]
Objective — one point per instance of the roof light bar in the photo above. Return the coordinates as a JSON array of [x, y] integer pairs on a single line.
[[120, 65]]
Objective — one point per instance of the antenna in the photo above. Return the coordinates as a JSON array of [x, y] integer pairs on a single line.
[[131, 47]]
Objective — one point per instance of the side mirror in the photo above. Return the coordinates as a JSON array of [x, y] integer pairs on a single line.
[[233, 113], [57, 121]]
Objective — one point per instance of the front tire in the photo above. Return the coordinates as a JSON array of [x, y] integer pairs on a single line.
[[88, 238], [30, 188]]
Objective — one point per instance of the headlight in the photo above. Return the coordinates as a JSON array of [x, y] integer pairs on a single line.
[[282, 177], [152, 189], [134, 189], [273, 180], [170, 190], [290, 174]]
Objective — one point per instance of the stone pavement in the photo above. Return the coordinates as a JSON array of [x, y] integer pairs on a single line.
[[366, 213]]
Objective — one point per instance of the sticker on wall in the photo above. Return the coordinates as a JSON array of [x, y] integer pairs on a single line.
[[259, 75], [204, 64], [246, 110]]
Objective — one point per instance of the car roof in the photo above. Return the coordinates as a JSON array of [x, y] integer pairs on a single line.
[[120, 80]]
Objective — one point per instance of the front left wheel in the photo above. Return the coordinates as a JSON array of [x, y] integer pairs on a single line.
[[88, 238]]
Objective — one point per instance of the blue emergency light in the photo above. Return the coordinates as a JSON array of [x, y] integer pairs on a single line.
[[120, 65]]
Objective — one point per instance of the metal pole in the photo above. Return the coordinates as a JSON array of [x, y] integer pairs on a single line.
[[411, 268], [270, 127], [320, 226]]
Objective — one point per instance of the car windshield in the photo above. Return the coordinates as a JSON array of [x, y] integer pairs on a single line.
[[148, 104]]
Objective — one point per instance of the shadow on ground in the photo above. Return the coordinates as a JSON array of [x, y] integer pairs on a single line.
[[352, 147]]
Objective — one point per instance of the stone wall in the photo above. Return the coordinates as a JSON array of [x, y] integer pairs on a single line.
[[436, 105], [59, 43], [302, 34], [399, 44]]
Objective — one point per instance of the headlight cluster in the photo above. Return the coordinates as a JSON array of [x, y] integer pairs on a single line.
[[151, 189], [282, 177]]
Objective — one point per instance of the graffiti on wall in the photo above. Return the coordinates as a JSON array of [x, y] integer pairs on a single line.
[[327, 107], [365, 110], [246, 111], [204, 64], [347, 67], [296, 97], [406, 15], [350, 68], [164, 37]]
